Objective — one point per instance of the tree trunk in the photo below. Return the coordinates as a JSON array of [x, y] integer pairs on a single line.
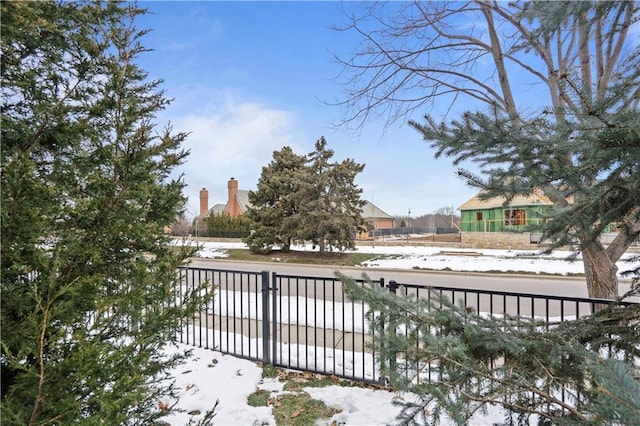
[[600, 271], [286, 246], [322, 244]]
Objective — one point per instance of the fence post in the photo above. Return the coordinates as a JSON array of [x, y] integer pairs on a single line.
[[393, 360], [265, 318], [381, 379], [274, 317]]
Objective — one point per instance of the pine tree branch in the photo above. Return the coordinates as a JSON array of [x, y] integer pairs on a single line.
[[522, 364], [44, 324], [629, 233]]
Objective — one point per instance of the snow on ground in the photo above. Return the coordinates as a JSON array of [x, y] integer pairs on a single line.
[[462, 260], [212, 250], [209, 376]]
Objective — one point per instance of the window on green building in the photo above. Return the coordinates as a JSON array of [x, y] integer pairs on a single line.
[[478, 216], [515, 217]]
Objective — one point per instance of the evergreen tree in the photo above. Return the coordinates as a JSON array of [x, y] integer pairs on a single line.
[[228, 227], [577, 139], [306, 198], [329, 204], [273, 202], [88, 278], [460, 362]]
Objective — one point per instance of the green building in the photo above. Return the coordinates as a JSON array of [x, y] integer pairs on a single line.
[[493, 216]]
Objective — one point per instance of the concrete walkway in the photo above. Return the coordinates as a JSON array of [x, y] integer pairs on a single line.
[[288, 333]]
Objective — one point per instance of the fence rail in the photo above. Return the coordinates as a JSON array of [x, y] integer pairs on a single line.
[[308, 323]]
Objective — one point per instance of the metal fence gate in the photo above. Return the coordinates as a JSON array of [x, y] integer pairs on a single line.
[[294, 322], [307, 323]]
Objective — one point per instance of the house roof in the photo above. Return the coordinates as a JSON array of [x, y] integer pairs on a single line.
[[243, 199], [217, 210], [535, 199], [371, 211]]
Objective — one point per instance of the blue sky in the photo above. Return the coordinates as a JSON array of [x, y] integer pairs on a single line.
[[248, 78]]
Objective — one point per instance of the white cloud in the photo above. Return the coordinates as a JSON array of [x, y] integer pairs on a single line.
[[234, 139]]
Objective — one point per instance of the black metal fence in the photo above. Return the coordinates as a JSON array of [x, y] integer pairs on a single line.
[[307, 323], [384, 232]]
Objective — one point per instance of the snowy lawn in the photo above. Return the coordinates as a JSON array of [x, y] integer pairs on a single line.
[[442, 258], [209, 376]]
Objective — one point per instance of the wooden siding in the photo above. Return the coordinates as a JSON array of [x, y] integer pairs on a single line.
[[495, 220]]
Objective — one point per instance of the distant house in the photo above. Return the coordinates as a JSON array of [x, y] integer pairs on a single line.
[[477, 215], [492, 224], [376, 218], [238, 203]]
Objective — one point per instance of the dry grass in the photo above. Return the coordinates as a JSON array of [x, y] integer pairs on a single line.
[[296, 407], [302, 257]]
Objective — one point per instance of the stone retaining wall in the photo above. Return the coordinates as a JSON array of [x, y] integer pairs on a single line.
[[497, 240]]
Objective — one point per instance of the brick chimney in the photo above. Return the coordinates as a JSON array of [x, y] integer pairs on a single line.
[[233, 209], [204, 202]]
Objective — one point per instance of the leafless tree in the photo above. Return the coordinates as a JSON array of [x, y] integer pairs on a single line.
[[560, 82], [181, 227]]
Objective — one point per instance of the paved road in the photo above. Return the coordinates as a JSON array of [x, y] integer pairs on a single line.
[[533, 284]]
